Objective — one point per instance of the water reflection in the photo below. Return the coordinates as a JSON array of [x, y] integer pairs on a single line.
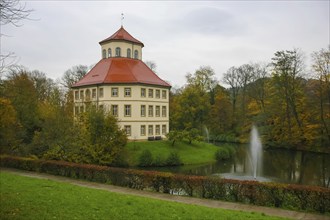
[[286, 166]]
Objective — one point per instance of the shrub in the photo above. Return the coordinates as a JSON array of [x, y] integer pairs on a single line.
[[309, 198], [145, 159], [222, 154], [173, 159]]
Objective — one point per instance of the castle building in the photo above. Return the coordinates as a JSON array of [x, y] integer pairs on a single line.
[[122, 84]]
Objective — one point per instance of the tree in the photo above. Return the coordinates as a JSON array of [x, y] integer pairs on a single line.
[[106, 139], [152, 65], [11, 12], [321, 67], [233, 78], [19, 89], [73, 75], [192, 135], [192, 109], [220, 121], [287, 92], [9, 126], [204, 78], [174, 136]]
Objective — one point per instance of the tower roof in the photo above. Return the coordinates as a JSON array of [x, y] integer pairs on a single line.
[[119, 70], [122, 35]]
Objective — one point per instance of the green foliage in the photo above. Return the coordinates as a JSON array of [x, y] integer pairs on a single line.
[[174, 136], [145, 159], [222, 154], [192, 135], [225, 152], [309, 198], [173, 159]]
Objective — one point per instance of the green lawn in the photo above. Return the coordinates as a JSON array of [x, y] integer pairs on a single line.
[[196, 153], [30, 198]]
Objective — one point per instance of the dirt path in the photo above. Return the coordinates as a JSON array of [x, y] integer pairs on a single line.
[[173, 198]]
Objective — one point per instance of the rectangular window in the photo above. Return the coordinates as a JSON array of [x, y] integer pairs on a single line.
[[157, 130], [164, 113], [81, 109], [143, 130], [151, 111], [157, 93], [114, 92], [128, 130], [114, 110], [127, 92], [81, 94], [101, 92], [76, 110], [143, 92], [93, 93], [150, 130], [127, 110], [150, 93], [163, 129], [164, 94], [143, 110], [76, 95], [157, 111]]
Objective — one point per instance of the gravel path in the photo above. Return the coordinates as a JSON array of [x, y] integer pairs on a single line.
[[173, 198]]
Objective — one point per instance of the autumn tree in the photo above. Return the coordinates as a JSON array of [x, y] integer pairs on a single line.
[[321, 67], [20, 90], [288, 98], [11, 12], [233, 78], [73, 75]]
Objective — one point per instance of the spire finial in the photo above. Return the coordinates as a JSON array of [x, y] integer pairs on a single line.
[[122, 19]]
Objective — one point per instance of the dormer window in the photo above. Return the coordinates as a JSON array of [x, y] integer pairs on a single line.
[[136, 54], [104, 53], [109, 52], [118, 52], [128, 53]]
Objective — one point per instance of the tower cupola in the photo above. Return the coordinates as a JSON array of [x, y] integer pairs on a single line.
[[121, 44]]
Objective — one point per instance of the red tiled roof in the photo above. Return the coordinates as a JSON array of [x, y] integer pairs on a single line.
[[121, 70], [122, 34]]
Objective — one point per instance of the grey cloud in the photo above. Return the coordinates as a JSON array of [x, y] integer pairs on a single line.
[[211, 21]]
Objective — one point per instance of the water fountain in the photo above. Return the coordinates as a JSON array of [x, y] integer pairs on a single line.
[[256, 151], [254, 158]]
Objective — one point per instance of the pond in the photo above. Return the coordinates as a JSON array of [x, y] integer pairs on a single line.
[[277, 165]]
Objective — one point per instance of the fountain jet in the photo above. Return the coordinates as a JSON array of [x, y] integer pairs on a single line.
[[256, 151]]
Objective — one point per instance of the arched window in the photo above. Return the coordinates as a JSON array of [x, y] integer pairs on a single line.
[[109, 52], [128, 53], [136, 54], [118, 52], [104, 53]]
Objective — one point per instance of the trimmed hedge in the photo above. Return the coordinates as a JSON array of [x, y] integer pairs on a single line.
[[299, 197]]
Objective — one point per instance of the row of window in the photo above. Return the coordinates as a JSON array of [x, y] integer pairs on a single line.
[[152, 110], [118, 53], [152, 130], [115, 93]]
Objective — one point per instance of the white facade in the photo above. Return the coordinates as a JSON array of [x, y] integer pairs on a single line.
[[142, 110]]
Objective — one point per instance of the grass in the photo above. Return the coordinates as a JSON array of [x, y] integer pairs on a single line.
[[196, 153], [30, 198]]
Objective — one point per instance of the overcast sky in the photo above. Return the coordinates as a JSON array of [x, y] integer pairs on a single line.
[[179, 36]]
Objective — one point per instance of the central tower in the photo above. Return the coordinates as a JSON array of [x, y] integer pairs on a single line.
[[120, 83]]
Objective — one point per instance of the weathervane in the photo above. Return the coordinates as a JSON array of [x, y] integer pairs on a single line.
[[122, 18]]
